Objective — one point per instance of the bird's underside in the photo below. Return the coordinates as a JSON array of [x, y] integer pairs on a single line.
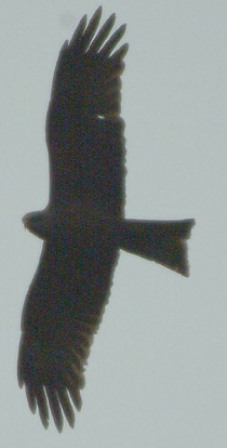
[[83, 227]]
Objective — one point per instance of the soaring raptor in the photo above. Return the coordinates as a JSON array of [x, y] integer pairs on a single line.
[[83, 226]]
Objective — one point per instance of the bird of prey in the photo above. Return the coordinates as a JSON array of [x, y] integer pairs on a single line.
[[83, 226]]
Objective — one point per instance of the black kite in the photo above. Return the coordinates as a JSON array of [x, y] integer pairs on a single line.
[[83, 227]]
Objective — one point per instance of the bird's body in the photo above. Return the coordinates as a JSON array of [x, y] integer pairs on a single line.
[[83, 226]]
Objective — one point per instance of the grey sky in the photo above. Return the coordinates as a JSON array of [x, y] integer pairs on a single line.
[[157, 371]]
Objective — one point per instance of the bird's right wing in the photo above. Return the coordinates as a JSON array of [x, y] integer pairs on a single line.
[[62, 311]]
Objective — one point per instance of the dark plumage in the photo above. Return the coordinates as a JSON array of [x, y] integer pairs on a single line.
[[83, 226]]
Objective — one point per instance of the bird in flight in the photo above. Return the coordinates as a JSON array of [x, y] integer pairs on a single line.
[[83, 226]]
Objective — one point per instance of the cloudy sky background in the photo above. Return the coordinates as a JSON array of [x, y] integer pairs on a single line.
[[158, 368]]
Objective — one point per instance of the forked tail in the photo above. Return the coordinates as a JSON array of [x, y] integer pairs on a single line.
[[160, 241]]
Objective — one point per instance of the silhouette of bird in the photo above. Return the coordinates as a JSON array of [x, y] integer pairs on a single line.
[[83, 226]]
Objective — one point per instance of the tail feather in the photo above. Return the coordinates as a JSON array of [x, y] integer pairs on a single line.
[[160, 241]]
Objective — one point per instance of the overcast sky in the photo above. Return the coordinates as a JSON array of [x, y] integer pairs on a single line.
[[158, 368]]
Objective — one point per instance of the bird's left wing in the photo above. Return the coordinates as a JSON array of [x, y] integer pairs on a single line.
[[62, 311], [84, 130]]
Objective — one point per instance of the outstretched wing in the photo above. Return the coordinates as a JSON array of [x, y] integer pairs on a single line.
[[66, 299], [62, 311], [84, 130]]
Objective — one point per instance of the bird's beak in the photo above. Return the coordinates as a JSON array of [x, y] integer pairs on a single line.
[[25, 221]]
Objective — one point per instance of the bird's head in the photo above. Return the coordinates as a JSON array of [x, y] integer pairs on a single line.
[[37, 223]]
